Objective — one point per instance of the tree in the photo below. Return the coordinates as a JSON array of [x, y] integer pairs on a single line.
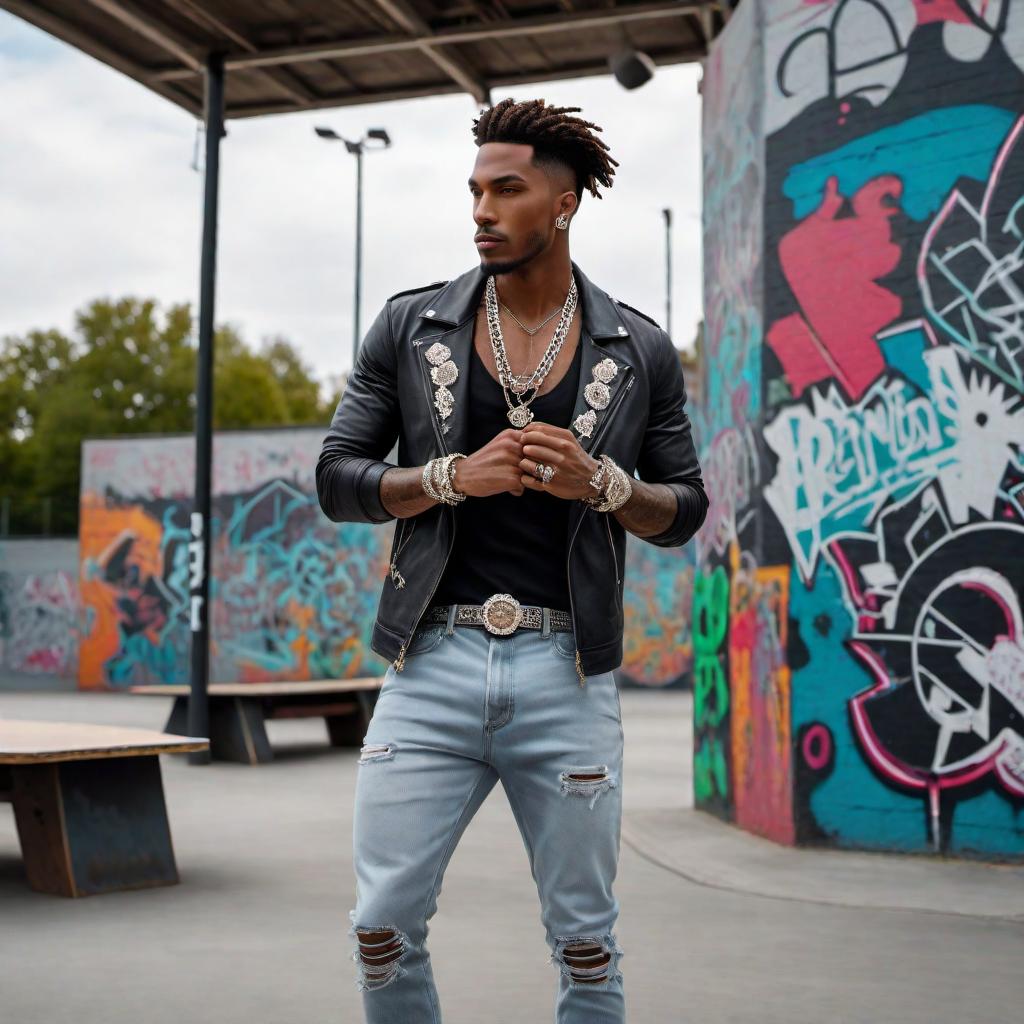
[[301, 390], [129, 368]]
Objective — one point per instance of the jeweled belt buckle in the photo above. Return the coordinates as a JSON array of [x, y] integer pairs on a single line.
[[502, 614]]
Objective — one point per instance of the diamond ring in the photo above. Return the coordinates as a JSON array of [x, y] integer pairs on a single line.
[[549, 472], [539, 470]]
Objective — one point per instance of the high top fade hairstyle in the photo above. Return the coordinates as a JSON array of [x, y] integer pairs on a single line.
[[558, 139]]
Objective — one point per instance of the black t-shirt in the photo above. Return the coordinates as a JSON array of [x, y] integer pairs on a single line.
[[507, 543]]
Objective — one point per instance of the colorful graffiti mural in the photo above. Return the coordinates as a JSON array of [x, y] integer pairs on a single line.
[[293, 596], [657, 597], [39, 613], [890, 428], [725, 422]]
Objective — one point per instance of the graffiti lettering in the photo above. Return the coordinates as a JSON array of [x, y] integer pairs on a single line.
[[837, 461], [710, 689]]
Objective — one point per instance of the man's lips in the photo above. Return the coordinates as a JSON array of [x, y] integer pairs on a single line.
[[488, 242]]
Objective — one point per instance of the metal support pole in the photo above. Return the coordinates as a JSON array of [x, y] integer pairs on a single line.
[[199, 527], [667, 214], [359, 250]]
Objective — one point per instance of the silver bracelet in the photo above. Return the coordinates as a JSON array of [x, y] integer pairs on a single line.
[[438, 479], [448, 479], [427, 480], [616, 489]]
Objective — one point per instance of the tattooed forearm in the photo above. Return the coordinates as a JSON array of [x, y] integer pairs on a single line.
[[651, 509], [401, 492]]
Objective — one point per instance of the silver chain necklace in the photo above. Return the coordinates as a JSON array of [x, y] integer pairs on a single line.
[[519, 380], [519, 415], [531, 331]]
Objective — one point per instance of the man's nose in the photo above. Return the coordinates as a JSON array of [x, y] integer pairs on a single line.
[[482, 214]]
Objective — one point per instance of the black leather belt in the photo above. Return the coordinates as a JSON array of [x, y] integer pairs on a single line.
[[501, 614]]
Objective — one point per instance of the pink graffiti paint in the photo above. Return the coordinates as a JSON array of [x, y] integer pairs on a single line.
[[996, 598], [817, 747], [832, 265], [865, 622], [892, 767], [927, 10], [943, 10], [45, 661], [760, 708]]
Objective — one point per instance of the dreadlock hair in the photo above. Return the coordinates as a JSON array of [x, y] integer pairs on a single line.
[[558, 139]]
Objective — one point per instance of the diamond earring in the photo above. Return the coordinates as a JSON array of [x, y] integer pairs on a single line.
[[561, 221]]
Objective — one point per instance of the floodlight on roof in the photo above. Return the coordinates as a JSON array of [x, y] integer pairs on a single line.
[[631, 68]]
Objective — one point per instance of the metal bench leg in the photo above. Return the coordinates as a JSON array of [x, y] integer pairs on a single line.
[[177, 723], [345, 730], [349, 730], [237, 728], [238, 731], [89, 827]]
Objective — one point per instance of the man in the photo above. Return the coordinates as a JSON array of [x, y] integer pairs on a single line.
[[522, 398]]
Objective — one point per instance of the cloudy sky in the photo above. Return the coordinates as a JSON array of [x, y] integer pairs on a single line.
[[98, 197]]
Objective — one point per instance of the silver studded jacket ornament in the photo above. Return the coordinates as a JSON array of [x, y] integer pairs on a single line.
[[443, 372], [597, 394]]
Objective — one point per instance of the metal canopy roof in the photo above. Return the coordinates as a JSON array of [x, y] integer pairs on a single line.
[[286, 55]]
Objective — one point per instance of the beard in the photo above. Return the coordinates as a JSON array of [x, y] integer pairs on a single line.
[[535, 245]]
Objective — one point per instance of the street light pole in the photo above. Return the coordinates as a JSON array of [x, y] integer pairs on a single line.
[[667, 214], [356, 335], [356, 149]]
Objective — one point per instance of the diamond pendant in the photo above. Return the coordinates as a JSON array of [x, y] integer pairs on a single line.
[[519, 416]]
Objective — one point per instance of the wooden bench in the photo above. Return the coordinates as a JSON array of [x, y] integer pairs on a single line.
[[239, 711], [89, 804]]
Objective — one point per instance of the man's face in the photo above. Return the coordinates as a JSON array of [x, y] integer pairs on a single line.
[[513, 202]]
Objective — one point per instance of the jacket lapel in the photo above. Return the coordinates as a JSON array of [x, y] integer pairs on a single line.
[[453, 428], [587, 417], [449, 322]]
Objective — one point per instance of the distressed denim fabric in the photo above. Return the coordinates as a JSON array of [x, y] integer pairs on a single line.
[[470, 709]]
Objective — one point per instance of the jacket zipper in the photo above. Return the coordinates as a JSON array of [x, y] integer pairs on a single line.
[[396, 577], [572, 605], [399, 662], [611, 544], [568, 554]]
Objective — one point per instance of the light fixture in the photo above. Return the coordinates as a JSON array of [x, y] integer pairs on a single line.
[[631, 68]]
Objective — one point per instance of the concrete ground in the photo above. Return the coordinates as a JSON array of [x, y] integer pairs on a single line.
[[716, 926]]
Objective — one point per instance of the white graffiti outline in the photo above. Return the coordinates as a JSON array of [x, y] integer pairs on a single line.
[[1000, 349]]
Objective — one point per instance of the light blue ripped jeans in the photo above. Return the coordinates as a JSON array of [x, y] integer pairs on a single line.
[[470, 708]]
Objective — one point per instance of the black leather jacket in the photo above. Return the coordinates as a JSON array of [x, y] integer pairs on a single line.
[[390, 395]]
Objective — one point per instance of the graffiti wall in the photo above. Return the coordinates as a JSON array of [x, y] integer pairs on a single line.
[[888, 570], [657, 639], [725, 424], [292, 595], [39, 614]]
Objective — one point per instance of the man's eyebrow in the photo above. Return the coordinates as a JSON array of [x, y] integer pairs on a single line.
[[504, 179]]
